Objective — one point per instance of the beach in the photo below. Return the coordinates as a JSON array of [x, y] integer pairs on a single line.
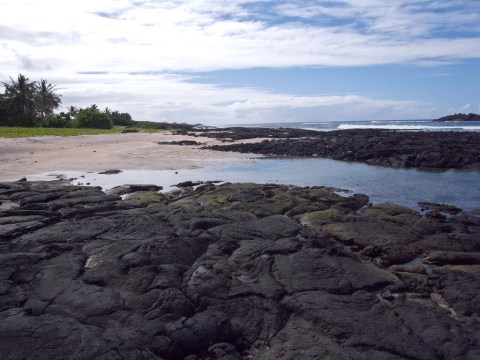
[[23, 157]]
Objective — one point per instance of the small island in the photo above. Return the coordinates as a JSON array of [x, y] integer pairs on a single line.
[[460, 117]]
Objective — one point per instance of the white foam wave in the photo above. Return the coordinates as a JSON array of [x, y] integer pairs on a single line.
[[316, 129], [407, 127]]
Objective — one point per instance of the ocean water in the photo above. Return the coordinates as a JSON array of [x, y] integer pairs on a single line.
[[401, 186], [405, 125]]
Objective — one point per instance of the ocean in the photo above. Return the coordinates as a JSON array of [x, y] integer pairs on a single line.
[[406, 125]]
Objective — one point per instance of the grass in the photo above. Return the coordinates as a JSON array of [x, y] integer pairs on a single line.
[[17, 132]]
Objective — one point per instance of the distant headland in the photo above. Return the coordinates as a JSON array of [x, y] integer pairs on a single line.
[[460, 117]]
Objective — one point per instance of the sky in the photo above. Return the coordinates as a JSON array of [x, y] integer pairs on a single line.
[[246, 61]]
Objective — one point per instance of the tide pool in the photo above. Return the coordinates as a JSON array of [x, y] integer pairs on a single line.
[[401, 186]]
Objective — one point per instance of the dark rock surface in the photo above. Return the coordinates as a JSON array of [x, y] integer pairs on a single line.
[[460, 117], [243, 133], [233, 272], [437, 150], [132, 188], [181, 142], [110, 172]]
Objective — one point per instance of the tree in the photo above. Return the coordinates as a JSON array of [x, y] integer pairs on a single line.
[[121, 119], [20, 95], [91, 118], [57, 120], [46, 100], [5, 112], [72, 111]]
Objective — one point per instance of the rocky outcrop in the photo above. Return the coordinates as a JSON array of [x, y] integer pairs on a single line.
[[460, 117], [233, 272], [440, 150], [181, 142], [243, 133]]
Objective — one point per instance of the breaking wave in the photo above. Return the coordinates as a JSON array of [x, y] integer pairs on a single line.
[[408, 127]]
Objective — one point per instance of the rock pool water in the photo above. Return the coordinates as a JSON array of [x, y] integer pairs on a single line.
[[381, 184]]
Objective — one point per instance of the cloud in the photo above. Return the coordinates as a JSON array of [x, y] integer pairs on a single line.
[[170, 97], [118, 52], [206, 35], [401, 18]]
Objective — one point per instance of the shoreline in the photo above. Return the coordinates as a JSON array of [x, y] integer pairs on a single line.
[[24, 157]]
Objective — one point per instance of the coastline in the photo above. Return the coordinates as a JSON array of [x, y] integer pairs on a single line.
[[23, 157], [159, 159]]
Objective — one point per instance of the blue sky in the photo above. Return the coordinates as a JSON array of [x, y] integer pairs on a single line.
[[247, 61]]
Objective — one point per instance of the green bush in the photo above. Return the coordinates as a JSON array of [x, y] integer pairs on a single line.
[[92, 118], [56, 121], [121, 119], [26, 119]]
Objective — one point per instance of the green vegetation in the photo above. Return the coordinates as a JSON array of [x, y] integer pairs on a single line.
[[15, 132], [92, 118], [164, 126], [32, 104], [28, 109], [27, 103]]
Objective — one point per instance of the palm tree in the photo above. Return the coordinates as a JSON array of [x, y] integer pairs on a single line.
[[20, 95], [46, 100], [107, 111], [72, 111], [94, 107]]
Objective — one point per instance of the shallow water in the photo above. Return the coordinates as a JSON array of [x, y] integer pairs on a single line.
[[381, 184]]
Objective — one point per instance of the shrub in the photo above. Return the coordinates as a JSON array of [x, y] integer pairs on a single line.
[[92, 118], [26, 119], [56, 121], [121, 119]]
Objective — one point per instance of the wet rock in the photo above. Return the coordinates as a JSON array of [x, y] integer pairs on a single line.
[[450, 209], [188, 184], [181, 142], [132, 188], [110, 172]]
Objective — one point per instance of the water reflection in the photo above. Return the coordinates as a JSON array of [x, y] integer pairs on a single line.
[[381, 184]]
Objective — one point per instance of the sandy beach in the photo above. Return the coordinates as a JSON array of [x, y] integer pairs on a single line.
[[24, 157]]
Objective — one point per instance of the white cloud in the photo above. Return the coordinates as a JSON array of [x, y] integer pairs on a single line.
[[60, 39], [206, 35], [173, 98]]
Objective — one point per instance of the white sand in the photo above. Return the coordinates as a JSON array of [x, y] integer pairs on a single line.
[[21, 157]]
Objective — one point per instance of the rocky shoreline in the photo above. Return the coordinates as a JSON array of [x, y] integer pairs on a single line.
[[427, 150], [233, 271]]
